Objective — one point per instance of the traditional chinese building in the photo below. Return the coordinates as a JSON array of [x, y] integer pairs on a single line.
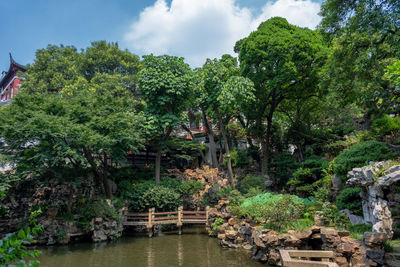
[[10, 82]]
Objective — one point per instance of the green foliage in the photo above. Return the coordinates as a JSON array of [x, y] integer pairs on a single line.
[[393, 73], [278, 211], [349, 198], [386, 125], [364, 41], [332, 217], [250, 182], [190, 187], [360, 154], [240, 158], [13, 250], [283, 167], [171, 183], [162, 198], [97, 208], [72, 117], [357, 231]]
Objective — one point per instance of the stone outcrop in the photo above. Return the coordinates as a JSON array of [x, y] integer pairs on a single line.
[[53, 199], [265, 243], [377, 183], [104, 229]]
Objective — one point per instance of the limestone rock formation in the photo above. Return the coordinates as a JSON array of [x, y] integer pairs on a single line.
[[377, 182]]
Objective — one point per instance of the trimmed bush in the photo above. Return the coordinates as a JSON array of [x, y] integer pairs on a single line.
[[359, 155], [162, 198]]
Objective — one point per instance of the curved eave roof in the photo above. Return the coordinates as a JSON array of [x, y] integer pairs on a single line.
[[14, 68]]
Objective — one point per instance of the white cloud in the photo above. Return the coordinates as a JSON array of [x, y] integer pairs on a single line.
[[200, 29]]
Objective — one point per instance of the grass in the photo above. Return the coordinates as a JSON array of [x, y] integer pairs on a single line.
[[357, 231]]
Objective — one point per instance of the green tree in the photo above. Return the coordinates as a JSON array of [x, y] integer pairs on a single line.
[[166, 85], [283, 62], [63, 120], [223, 91], [364, 36]]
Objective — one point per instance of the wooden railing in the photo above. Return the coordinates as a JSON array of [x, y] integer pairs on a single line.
[[302, 258], [152, 218]]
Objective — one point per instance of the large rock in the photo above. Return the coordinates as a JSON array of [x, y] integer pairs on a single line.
[[376, 210], [354, 219], [374, 239]]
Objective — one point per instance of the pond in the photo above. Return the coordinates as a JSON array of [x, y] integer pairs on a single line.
[[193, 248]]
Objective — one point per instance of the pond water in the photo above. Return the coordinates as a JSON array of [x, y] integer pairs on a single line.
[[193, 248]]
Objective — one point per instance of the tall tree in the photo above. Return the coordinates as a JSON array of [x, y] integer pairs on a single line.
[[282, 60], [364, 35], [222, 90], [165, 84]]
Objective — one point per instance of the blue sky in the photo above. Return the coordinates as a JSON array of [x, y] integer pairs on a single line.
[[195, 29]]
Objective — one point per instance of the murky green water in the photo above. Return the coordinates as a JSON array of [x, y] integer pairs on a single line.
[[192, 248]]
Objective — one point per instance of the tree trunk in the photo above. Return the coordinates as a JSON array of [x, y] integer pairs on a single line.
[[101, 175], [227, 151], [265, 147], [107, 187], [213, 147], [158, 166]]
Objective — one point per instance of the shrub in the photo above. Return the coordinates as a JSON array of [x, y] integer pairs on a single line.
[[349, 198], [251, 181], [278, 211], [332, 217], [97, 208], [162, 198], [190, 187], [360, 154], [386, 125], [171, 183]]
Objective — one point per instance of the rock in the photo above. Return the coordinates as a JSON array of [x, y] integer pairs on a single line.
[[260, 255], [270, 239], [330, 237], [376, 210], [374, 240], [376, 256], [341, 261], [318, 218], [336, 183], [221, 236], [231, 234], [248, 247], [232, 221], [303, 234], [354, 219], [52, 212], [99, 236]]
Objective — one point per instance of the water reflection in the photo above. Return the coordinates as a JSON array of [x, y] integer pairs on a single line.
[[192, 248]]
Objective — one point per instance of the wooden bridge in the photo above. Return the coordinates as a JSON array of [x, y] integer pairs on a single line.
[[152, 218]]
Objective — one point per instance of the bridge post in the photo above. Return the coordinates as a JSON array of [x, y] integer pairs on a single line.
[[150, 222], [179, 223]]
